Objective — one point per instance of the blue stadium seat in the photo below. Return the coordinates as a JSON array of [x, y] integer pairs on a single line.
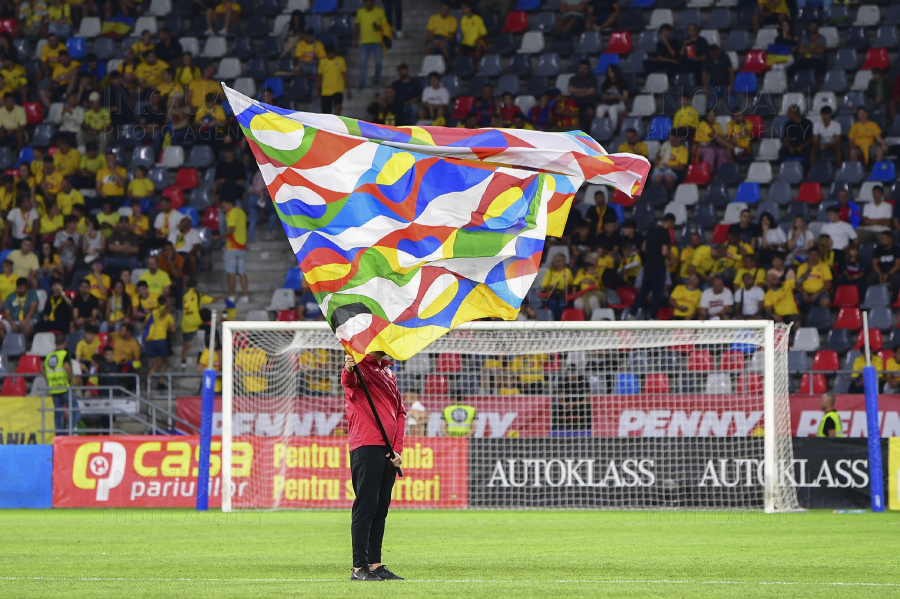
[[543, 21], [508, 83], [276, 84], [846, 59], [655, 195], [192, 212], [644, 215], [646, 41], [800, 209], [504, 44], [866, 250], [881, 318], [451, 82], [745, 83], [160, 178], [883, 171], [838, 340], [606, 60], [602, 130], [632, 122], [548, 65], [241, 48], [818, 318], [627, 384], [748, 193], [738, 41], [877, 296], [804, 81], [705, 215], [463, 66], [768, 206], [43, 134], [719, 19], [798, 362], [324, 7], [660, 129], [77, 47], [686, 17], [528, 5], [853, 100], [258, 68], [590, 43], [536, 85], [201, 157], [299, 89], [886, 37], [856, 36]]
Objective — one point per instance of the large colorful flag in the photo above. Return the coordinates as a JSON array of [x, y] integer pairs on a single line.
[[406, 232]]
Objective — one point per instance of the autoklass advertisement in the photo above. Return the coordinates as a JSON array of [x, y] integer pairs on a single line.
[[668, 473]]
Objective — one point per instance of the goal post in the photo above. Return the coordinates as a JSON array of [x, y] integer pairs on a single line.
[[590, 415]]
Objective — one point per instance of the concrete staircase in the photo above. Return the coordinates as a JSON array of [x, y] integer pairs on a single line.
[[410, 50]]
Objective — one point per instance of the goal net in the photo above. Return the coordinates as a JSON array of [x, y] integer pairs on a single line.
[[596, 415]]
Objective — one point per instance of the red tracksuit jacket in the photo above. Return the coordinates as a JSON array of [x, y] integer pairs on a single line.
[[382, 385]]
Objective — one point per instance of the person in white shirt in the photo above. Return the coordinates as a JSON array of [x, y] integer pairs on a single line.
[[71, 120], [435, 96], [748, 298], [167, 220], [876, 216], [186, 240], [717, 301], [826, 136], [841, 233], [21, 222]]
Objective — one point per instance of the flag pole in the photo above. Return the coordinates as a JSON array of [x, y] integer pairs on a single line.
[[387, 442]]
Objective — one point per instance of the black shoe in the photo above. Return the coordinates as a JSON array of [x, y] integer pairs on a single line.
[[364, 574], [386, 574]]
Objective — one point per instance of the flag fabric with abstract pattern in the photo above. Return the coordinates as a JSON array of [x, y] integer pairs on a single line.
[[403, 233]]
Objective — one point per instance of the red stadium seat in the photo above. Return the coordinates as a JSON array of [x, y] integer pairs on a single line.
[[436, 384], [759, 127], [187, 178], [876, 58], [720, 234], [13, 386], [34, 112], [750, 383], [619, 43], [516, 22], [623, 199], [657, 383], [627, 295], [810, 192], [700, 359], [814, 386], [698, 173], [462, 107], [665, 313], [885, 355], [876, 341], [103, 338], [826, 359], [9, 26], [448, 363], [849, 318], [211, 218], [755, 62], [732, 360], [29, 365], [175, 194], [572, 314], [846, 296], [287, 316]]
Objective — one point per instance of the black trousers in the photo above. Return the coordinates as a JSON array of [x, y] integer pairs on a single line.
[[373, 479], [654, 285]]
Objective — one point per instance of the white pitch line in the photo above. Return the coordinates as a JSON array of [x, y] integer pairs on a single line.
[[457, 581]]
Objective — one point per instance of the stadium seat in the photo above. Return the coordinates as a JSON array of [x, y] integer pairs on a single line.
[[745, 83], [812, 384], [590, 43], [627, 384], [433, 63], [700, 360], [821, 172], [798, 362], [732, 361], [294, 279], [849, 318], [868, 15], [758, 127], [769, 150], [760, 172], [810, 193], [720, 233], [34, 113], [462, 106], [287, 316], [880, 318], [877, 296], [857, 37], [215, 47], [876, 58], [30, 364], [77, 47], [861, 81], [13, 345], [201, 157], [175, 195], [687, 194], [90, 28], [755, 62], [749, 192], [826, 360], [656, 383], [13, 386], [659, 129], [172, 157], [602, 130], [436, 385], [838, 340], [883, 171], [835, 81], [851, 172], [876, 340], [627, 295], [656, 83], [819, 318], [516, 22], [572, 314], [698, 173], [619, 43], [282, 299], [846, 296], [718, 383]]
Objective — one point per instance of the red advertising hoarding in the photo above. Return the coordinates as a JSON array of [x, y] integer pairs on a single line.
[[161, 471], [806, 414], [496, 416]]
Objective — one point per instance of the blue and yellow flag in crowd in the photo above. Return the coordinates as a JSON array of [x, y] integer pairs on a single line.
[[404, 233]]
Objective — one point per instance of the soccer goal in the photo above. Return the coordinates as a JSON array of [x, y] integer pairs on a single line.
[[549, 415]]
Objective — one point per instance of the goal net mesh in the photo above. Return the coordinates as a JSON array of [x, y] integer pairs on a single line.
[[615, 418]]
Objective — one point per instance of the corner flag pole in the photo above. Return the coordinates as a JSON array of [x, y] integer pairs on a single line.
[[873, 432], [387, 442], [207, 401]]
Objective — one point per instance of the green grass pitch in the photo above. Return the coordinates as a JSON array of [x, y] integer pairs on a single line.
[[181, 553]]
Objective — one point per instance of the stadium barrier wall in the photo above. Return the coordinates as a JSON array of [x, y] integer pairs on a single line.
[[529, 416], [21, 421], [161, 472], [26, 473]]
